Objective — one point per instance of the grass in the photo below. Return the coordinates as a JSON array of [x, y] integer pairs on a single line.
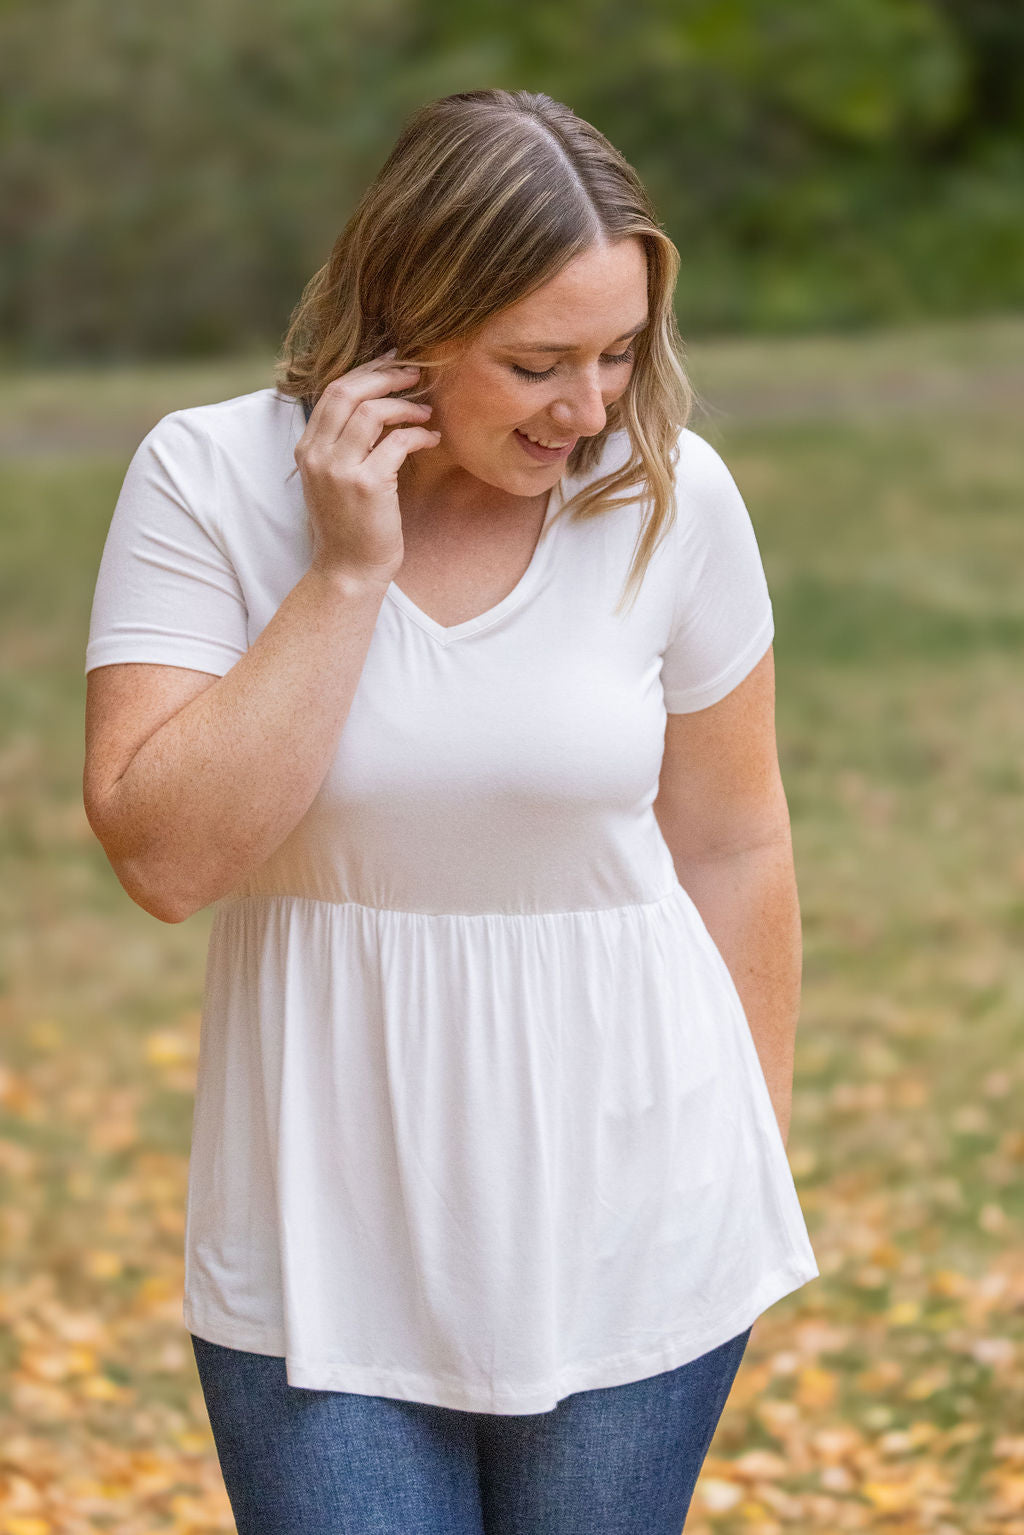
[[883, 476]]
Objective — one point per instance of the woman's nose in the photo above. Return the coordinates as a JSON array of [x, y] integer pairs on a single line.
[[582, 410]]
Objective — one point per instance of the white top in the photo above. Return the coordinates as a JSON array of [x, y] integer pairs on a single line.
[[479, 1119]]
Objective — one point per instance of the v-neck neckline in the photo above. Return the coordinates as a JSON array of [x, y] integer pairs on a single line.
[[445, 634]]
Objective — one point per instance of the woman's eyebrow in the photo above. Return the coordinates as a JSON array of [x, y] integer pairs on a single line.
[[547, 346]]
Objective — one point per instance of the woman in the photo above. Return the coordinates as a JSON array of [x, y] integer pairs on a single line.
[[486, 1160]]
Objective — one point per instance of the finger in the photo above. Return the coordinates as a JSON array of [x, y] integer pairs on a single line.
[[342, 395], [390, 453], [369, 418]]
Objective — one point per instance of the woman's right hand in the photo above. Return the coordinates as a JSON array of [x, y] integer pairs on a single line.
[[350, 474]]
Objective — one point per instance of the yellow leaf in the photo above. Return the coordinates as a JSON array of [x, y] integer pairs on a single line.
[[816, 1387], [100, 1388], [1011, 1493], [114, 1490], [927, 1383], [81, 1360], [84, 1487], [949, 1283], [27, 1526], [942, 1321], [103, 1265], [168, 1047], [157, 1287], [890, 1497], [192, 1442], [22, 1099], [46, 1034], [963, 1433], [886, 1372]]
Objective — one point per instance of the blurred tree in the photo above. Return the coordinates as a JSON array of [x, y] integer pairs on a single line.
[[170, 177], [991, 36]]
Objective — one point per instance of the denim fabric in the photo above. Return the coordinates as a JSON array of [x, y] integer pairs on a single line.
[[619, 1460]]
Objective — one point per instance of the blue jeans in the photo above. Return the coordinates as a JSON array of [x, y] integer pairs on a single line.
[[619, 1460]]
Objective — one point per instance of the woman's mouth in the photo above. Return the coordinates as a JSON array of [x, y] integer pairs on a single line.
[[541, 454]]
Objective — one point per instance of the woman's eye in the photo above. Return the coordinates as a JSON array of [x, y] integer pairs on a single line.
[[616, 361], [525, 372]]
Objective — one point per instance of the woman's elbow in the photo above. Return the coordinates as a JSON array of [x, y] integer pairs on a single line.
[[149, 889], [154, 895]]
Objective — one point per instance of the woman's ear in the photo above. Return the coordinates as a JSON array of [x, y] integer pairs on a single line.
[[439, 359]]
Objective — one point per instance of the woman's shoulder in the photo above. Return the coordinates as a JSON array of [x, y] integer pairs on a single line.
[[242, 421], [230, 462], [699, 465], [238, 450]]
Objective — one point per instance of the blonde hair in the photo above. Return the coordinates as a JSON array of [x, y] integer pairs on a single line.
[[485, 197]]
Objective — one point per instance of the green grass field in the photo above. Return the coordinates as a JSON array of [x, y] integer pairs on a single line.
[[884, 477]]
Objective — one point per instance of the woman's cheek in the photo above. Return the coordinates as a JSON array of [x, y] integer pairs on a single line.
[[511, 402]]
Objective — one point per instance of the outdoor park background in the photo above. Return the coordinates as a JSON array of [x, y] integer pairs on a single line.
[[844, 183]]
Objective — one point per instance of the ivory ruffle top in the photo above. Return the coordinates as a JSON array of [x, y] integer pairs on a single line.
[[479, 1118]]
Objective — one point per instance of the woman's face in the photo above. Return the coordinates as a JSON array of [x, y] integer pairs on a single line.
[[547, 367]]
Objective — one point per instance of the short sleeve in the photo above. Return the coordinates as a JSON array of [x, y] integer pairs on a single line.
[[166, 590], [722, 621]]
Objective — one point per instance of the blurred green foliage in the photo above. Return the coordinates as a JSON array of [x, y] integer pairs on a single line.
[[170, 176]]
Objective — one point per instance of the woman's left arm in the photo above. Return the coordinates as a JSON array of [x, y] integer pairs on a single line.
[[722, 810]]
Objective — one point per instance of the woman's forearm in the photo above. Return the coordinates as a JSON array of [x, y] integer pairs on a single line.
[[749, 904], [210, 795]]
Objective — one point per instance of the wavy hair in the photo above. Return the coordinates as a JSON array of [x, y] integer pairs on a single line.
[[485, 197]]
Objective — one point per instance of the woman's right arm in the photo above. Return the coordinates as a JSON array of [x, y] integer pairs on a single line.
[[192, 780]]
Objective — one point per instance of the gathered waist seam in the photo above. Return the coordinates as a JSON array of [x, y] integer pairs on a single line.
[[580, 911]]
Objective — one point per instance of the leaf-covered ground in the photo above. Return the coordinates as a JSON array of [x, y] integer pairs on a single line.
[[887, 1395]]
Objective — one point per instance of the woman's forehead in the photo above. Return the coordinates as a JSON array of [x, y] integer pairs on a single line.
[[600, 296]]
